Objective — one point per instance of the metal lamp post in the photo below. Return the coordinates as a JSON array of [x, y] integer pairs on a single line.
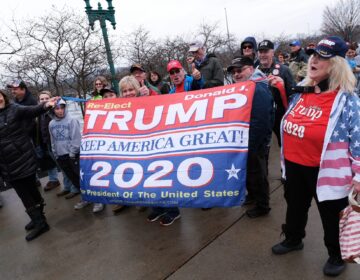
[[103, 16]]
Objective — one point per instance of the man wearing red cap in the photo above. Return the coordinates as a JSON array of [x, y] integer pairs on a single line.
[[183, 82]]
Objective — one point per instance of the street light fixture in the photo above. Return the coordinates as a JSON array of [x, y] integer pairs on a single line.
[[103, 16]]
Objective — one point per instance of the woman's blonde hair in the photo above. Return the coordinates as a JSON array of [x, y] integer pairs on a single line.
[[340, 75], [129, 81]]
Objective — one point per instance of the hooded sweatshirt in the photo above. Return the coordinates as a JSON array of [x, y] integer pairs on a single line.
[[252, 41], [65, 135]]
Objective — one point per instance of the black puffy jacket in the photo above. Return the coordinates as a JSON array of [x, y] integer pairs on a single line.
[[17, 155]]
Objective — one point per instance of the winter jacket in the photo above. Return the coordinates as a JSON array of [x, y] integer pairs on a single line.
[[190, 84], [340, 156], [262, 114], [65, 136], [211, 71], [45, 160], [298, 64], [160, 86], [17, 155], [29, 125]]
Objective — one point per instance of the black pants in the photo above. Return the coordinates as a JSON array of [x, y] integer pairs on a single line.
[[257, 181], [28, 192], [71, 168], [300, 189]]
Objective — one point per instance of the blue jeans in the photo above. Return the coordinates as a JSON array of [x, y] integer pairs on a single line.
[[68, 186], [53, 174]]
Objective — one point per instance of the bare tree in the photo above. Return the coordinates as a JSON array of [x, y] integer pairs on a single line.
[[343, 20], [213, 39], [85, 57], [61, 53], [140, 47], [13, 44]]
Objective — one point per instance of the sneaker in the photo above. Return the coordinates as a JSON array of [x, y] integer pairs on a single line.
[[62, 193], [98, 207], [71, 195], [118, 208], [51, 185], [287, 246], [81, 204], [257, 212], [154, 216], [168, 220], [334, 266]]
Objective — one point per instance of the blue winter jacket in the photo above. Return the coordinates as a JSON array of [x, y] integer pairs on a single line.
[[190, 84], [262, 114]]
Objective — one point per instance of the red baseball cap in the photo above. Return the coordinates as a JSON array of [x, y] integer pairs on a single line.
[[174, 64]]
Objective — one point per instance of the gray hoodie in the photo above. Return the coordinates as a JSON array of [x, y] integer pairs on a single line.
[[65, 135]]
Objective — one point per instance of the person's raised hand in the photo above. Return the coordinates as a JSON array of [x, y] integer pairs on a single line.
[[273, 80], [195, 73], [52, 101], [144, 91]]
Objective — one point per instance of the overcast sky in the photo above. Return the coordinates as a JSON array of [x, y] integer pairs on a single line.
[[165, 17]]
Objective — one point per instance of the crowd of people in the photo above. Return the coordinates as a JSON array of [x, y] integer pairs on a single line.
[[308, 99]]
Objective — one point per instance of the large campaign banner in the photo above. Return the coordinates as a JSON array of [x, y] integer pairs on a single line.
[[176, 150]]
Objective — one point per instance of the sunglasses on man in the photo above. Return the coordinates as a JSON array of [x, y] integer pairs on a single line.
[[174, 71], [247, 47]]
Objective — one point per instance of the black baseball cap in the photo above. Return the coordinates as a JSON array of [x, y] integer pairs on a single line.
[[266, 45], [239, 62]]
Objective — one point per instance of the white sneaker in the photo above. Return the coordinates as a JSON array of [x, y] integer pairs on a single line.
[[98, 207], [81, 204]]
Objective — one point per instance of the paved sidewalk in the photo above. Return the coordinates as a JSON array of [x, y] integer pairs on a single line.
[[215, 244]]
